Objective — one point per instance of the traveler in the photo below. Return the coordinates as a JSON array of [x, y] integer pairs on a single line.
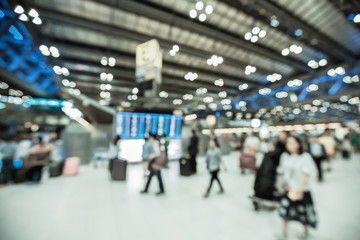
[[213, 161]]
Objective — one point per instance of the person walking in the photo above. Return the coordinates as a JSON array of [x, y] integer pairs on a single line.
[[297, 170], [213, 161], [193, 151], [317, 151], [328, 141], [147, 152], [157, 162]]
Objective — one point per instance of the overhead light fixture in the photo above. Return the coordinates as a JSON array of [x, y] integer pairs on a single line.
[[225, 101], [264, 91], [135, 91], [23, 18], [294, 83], [255, 34], [19, 9], [201, 10], [250, 69], [174, 50], [274, 77], [112, 62], [177, 101], [163, 94], [215, 60], [33, 13], [191, 76], [104, 61], [37, 21], [274, 22], [208, 99], [188, 97], [322, 62], [243, 86], [201, 91], [219, 82], [222, 94], [312, 88]]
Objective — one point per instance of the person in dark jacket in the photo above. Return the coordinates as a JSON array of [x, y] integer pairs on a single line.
[[193, 151], [317, 151]]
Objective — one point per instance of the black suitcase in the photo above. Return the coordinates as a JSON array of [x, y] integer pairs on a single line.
[[56, 169], [345, 154], [117, 169], [185, 167], [21, 175]]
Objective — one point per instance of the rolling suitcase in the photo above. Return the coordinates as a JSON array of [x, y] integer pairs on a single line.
[[185, 167], [247, 161], [21, 175], [345, 154], [71, 166], [56, 169], [117, 169]]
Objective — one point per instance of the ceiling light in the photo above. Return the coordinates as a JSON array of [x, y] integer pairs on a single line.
[[243, 86], [262, 33], [347, 80], [65, 82], [254, 39], [163, 94], [193, 13], [37, 21], [176, 48], [104, 61], [209, 9], [19, 9], [72, 84], [108, 87], [355, 78], [57, 70], [285, 52], [256, 30], [322, 62], [274, 22], [225, 101], [177, 101], [191, 76], [357, 18], [219, 82], [340, 70], [208, 99], [135, 91], [103, 76], [112, 62], [199, 5], [172, 52], [222, 94], [188, 97], [109, 77], [202, 17], [33, 13], [23, 18], [248, 36], [332, 73]]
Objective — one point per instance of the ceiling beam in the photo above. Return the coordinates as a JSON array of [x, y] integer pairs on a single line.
[[284, 15], [161, 14], [118, 32], [86, 48]]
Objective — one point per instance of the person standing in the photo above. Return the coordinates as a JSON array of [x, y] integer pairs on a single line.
[[329, 143], [213, 161], [147, 152], [317, 151], [297, 171], [156, 164], [193, 151]]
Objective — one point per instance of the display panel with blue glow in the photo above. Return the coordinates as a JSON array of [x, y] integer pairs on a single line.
[[139, 125]]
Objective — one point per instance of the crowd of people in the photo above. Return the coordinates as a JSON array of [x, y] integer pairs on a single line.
[[25, 158], [286, 167]]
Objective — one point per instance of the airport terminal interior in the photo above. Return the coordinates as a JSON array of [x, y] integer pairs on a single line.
[[179, 119]]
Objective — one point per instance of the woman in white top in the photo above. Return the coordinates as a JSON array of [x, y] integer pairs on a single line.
[[298, 171]]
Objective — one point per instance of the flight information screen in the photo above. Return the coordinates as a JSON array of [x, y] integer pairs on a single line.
[[139, 125]]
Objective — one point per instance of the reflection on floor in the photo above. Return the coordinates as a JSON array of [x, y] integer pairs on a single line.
[[90, 206]]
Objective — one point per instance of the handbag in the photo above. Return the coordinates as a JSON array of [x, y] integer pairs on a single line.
[[295, 195]]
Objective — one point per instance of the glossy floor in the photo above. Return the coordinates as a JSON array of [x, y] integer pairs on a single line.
[[90, 206]]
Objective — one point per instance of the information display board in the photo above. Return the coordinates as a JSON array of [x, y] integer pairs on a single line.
[[139, 125]]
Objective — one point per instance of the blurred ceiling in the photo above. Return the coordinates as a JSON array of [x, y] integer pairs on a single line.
[[312, 41]]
